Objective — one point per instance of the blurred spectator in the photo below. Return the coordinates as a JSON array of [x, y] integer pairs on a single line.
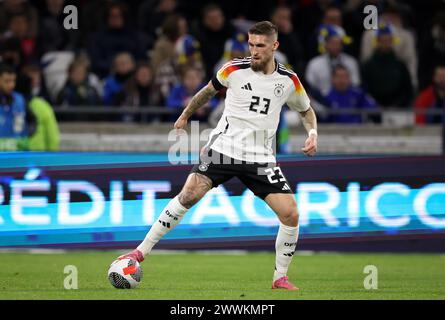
[[404, 42], [212, 32], [166, 78], [289, 42], [353, 18], [152, 14], [242, 25], [122, 70], [138, 91], [37, 83], [10, 53], [235, 47], [173, 28], [10, 8], [187, 53], [324, 31], [52, 35], [345, 96], [174, 51], [93, 79], [319, 69], [12, 111], [92, 8], [42, 132], [431, 49], [18, 28], [307, 17], [115, 38], [385, 76], [77, 90], [432, 97], [332, 16], [192, 82]]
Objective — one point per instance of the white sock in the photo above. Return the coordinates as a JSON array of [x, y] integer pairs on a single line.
[[285, 246], [169, 218]]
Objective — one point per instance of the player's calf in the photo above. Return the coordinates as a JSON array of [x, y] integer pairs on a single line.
[[194, 189]]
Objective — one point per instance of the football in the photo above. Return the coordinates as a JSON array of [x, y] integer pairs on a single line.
[[125, 274]]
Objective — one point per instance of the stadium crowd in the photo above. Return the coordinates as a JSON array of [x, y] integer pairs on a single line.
[[159, 53]]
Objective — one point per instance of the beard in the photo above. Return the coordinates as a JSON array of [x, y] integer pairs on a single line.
[[259, 65]]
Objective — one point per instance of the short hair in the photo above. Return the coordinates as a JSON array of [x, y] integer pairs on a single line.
[[116, 57], [437, 67], [266, 28], [190, 68], [75, 64], [170, 26], [210, 7], [5, 68], [338, 67], [116, 5], [143, 65]]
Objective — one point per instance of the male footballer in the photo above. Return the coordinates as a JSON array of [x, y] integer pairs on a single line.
[[241, 145]]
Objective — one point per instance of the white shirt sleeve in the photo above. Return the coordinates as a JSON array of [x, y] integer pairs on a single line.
[[299, 100], [223, 74]]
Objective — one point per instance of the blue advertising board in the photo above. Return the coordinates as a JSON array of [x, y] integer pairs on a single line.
[[110, 200]]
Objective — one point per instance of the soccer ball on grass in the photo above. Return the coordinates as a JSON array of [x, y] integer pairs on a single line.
[[125, 274]]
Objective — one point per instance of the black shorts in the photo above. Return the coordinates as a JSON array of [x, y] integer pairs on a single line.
[[261, 178]]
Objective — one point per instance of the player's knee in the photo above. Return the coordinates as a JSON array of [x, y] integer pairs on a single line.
[[290, 216], [188, 198], [295, 216]]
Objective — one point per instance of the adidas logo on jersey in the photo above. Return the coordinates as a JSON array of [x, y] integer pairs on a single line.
[[247, 87], [285, 187]]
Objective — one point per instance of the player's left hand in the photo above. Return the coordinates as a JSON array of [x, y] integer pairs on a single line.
[[310, 145], [181, 123]]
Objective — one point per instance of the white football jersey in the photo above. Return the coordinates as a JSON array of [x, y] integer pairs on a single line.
[[247, 128]]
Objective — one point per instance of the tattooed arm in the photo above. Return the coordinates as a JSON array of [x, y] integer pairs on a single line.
[[200, 99]]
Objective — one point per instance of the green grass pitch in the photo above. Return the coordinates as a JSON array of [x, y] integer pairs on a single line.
[[224, 276]]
